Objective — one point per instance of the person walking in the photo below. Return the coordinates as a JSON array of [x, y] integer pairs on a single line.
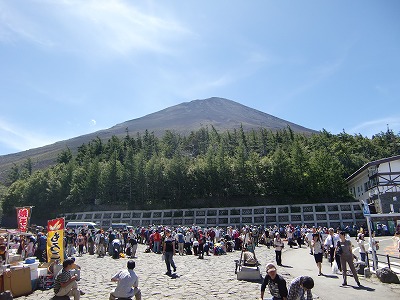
[[330, 243], [345, 250], [169, 251], [308, 238], [278, 245], [318, 251], [128, 283]]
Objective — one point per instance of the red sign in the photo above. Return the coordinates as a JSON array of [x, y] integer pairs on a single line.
[[56, 224], [23, 215]]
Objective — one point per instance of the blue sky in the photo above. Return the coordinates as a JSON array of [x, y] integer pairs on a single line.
[[69, 68]]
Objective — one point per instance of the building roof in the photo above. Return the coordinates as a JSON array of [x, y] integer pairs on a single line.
[[372, 163]]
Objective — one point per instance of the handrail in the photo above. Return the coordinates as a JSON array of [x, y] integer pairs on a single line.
[[388, 257]]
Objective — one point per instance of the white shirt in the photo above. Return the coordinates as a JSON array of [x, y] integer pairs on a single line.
[[188, 238], [317, 246], [328, 240], [127, 279], [278, 244], [373, 243], [361, 245]]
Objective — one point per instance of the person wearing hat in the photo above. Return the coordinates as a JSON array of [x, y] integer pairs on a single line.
[[276, 284]]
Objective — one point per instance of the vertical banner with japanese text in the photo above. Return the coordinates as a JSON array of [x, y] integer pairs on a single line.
[[55, 239], [23, 216]]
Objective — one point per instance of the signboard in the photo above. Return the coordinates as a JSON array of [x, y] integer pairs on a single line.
[[366, 211], [23, 216], [55, 239]]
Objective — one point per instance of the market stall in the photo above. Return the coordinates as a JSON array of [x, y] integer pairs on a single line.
[[17, 273]]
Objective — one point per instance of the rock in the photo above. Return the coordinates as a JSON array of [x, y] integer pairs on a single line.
[[386, 275], [367, 273], [60, 298]]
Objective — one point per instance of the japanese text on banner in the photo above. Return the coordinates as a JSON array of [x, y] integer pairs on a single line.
[[55, 239], [23, 215]]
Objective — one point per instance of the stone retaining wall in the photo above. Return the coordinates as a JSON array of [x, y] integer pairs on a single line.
[[321, 214]]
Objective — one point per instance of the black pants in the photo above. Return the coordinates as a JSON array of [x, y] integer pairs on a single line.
[[200, 250], [278, 256], [331, 255], [188, 248]]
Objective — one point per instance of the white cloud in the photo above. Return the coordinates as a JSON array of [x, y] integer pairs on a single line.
[[372, 127], [21, 139], [93, 122], [14, 25], [90, 27]]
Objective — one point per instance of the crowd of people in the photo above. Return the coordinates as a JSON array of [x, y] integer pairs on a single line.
[[333, 244]]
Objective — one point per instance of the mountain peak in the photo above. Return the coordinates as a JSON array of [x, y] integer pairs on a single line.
[[182, 118]]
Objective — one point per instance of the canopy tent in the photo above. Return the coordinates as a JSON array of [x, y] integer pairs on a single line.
[[9, 233]]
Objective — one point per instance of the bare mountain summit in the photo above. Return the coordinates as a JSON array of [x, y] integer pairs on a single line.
[[183, 118], [223, 114]]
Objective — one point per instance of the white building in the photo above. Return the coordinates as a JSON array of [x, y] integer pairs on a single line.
[[378, 184]]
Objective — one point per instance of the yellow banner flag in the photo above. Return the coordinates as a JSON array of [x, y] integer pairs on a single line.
[[55, 239]]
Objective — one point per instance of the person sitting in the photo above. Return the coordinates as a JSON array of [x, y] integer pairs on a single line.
[[65, 284], [128, 283], [249, 258]]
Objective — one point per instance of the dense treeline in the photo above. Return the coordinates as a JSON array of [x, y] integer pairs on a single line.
[[206, 168]]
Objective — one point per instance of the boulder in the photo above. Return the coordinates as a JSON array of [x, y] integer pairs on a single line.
[[386, 275]]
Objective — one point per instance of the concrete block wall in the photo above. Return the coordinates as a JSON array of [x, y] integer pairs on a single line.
[[321, 214]]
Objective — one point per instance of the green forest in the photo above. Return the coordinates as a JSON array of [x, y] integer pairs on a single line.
[[204, 169]]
